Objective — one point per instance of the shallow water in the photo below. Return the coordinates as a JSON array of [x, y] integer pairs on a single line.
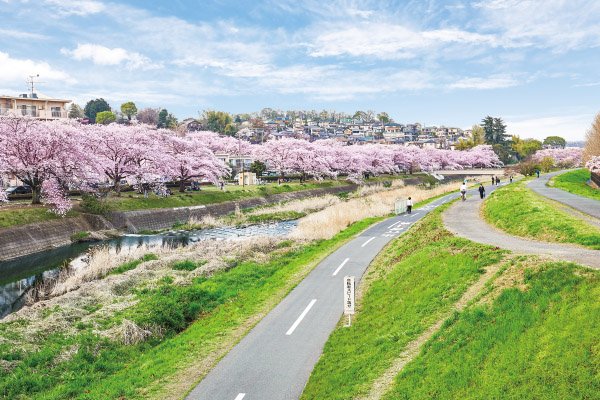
[[19, 275]]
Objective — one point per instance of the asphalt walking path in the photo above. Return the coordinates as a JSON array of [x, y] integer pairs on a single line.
[[464, 219], [275, 359], [580, 203]]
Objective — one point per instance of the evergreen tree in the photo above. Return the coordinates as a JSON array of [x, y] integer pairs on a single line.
[[75, 111], [93, 107], [162, 118]]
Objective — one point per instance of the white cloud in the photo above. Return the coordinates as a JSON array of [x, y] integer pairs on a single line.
[[22, 34], [492, 82], [571, 127], [102, 55], [77, 7], [557, 24], [17, 70], [389, 41], [330, 83]]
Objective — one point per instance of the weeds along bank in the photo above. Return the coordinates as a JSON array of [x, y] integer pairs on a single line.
[[530, 332], [521, 212]]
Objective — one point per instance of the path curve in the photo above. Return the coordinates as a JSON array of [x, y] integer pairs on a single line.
[[464, 219], [580, 203]]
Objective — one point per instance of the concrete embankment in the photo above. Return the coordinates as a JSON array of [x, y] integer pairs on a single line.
[[32, 238], [28, 239]]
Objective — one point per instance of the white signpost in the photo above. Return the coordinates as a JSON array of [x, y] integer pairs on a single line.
[[349, 298], [400, 207]]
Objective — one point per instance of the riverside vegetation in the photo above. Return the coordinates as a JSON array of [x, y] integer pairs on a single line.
[[130, 324], [529, 330], [521, 212]]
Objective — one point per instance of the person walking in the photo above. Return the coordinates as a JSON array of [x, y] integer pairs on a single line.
[[481, 191], [493, 180], [511, 178], [537, 171], [497, 181], [463, 192], [409, 204]]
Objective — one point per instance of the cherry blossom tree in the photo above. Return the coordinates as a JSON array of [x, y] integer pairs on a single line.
[[188, 158], [45, 156], [563, 158]]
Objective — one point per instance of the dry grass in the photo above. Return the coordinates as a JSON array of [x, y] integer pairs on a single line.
[[94, 301], [328, 222], [307, 205]]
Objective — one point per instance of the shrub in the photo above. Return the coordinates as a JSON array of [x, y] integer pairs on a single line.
[[79, 236], [93, 205]]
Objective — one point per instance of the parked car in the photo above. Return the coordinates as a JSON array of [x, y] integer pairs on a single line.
[[18, 190]]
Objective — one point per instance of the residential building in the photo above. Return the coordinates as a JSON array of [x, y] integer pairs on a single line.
[[34, 105]]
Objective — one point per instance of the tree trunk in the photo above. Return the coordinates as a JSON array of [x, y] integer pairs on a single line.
[[182, 185], [118, 187], [36, 194]]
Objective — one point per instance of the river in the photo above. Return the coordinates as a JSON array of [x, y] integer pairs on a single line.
[[19, 275]]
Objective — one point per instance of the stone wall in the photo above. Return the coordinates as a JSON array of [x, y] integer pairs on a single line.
[[28, 239], [157, 219]]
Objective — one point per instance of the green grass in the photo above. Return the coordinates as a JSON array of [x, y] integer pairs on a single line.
[[541, 343], [518, 211], [275, 217], [10, 216], [417, 278], [188, 265], [132, 264], [209, 195], [575, 182], [196, 320]]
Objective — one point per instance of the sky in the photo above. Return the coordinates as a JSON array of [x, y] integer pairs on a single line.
[[533, 63]]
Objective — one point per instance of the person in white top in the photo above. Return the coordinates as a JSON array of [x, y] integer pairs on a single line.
[[409, 204], [463, 191]]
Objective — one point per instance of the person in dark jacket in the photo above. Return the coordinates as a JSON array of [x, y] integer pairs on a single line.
[[481, 191]]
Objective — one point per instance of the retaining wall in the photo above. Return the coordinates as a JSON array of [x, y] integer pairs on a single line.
[[157, 219], [32, 238]]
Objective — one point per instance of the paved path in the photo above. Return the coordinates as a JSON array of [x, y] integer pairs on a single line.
[[580, 203], [465, 220], [275, 359]]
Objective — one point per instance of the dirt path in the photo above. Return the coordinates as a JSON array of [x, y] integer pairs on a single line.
[[412, 349]]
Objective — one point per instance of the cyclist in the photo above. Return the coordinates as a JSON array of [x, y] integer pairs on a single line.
[[463, 191]]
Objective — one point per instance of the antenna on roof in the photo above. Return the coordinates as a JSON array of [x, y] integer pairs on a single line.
[[31, 81]]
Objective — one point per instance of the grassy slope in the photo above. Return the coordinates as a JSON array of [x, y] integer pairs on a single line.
[[518, 211], [575, 182], [102, 369], [542, 343], [417, 278], [26, 215], [210, 195]]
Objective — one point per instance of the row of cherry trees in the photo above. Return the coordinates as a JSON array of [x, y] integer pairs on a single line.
[[567, 157], [53, 157]]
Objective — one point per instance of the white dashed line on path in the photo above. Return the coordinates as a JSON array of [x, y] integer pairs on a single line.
[[240, 396], [367, 242], [340, 267], [301, 317]]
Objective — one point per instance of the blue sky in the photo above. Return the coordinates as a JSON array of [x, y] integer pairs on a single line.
[[533, 63]]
